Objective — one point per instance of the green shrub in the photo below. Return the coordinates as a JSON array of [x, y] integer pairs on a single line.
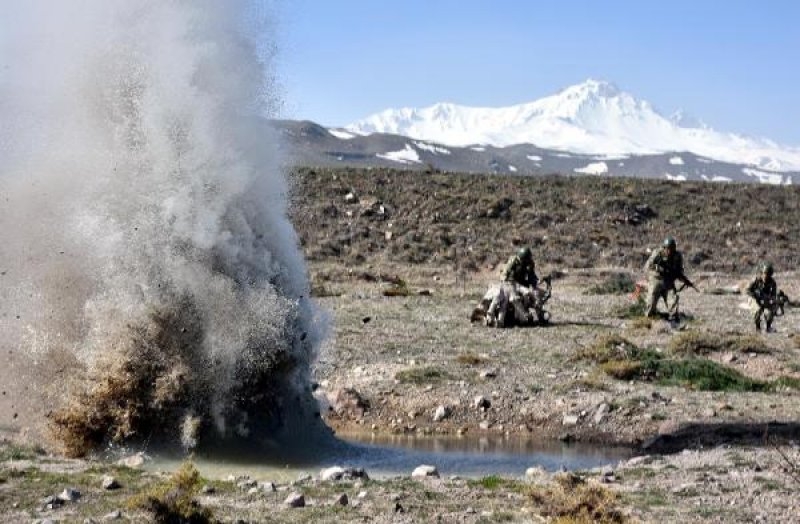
[[173, 501], [614, 284]]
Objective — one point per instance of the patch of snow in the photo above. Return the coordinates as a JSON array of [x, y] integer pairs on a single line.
[[704, 160], [534, 158], [342, 134], [720, 178], [563, 155], [513, 169], [595, 168], [763, 176], [478, 149], [676, 161], [678, 178], [407, 155], [432, 148], [621, 164]]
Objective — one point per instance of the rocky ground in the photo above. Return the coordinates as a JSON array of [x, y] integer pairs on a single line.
[[707, 407]]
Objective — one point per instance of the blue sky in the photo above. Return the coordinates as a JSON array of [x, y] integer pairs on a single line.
[[733, 64]]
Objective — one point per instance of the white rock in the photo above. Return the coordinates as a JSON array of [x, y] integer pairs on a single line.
[[114, 515], [136, 460], [425, 471], [295, 500], [267, 487], [535, 472], [69, 495], [362, 494], [332, 473], [602, 410], [110, 482], [441, 413], [570, 420]]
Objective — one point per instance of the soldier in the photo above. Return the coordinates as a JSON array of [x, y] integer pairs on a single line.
[[519, 283], [663, 268], [764, 291]]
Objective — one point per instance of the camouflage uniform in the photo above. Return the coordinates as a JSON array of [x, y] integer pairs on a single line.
[[662, 270], [764, 291], [519, 283]]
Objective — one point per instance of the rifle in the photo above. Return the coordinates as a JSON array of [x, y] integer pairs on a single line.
[[687, 283]]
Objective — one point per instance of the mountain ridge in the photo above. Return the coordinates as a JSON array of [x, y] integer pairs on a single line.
[[593, 118]]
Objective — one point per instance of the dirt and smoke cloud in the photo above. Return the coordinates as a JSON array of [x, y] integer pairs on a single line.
[[151, 281]]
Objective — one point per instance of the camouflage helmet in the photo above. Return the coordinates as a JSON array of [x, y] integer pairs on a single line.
[[525, 253], [669, 242], [767, 268]]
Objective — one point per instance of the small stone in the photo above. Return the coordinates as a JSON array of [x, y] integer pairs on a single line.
[[341, 500], [481, 402], [535, 472], [246, 484], [602, 410], [52, 502], [709, 413], [441, 413], [69, 495], [488, 374], [484, 425], [134, 461], [425, 471], [267, 487], [110, 483], [208, 490], [295, 500], [114, 515], [570, 420], [362, 495], [332, 473]]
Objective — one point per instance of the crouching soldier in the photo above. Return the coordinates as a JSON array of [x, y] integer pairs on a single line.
[[663, 268], [519, 284], [764, 292]]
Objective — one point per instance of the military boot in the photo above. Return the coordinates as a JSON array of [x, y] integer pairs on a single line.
[[758, 324], [769, 327]]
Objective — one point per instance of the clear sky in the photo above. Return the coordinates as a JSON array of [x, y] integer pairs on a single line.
[[733, 64]]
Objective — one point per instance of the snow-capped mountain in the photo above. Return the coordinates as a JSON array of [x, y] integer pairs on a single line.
[[593, 118]]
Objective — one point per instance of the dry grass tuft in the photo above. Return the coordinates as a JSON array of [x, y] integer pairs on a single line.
[[470, 359], [704, 343], [173, 501], [570, 499]]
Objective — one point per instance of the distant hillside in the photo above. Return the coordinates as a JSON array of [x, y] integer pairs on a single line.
[[467, 221], [309, 144]]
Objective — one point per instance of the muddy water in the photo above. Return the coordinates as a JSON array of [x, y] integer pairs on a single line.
[[386, 456]]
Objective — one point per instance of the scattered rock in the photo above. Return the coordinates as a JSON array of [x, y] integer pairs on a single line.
[[246, 484], [295, 500], [488, 374], [441, 413], [485, 424], [136, 460], [362, 494], [602, 410], [348, 403], [341, 500], [481, 402], [709, 413], [114, 515], [208, 490], [69, 495], [350, 198], [268, 487], [425, 471], [339, 473], [536, 472], [570, 420], [52, 502], [110, 482]]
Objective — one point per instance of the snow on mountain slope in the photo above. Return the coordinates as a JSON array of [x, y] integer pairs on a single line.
[[593, 118]]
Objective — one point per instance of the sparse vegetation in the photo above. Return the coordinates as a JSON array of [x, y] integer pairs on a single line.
[[614, 284], [421, 375], [570, 499], [704, 343], [470, 359], [173, 501]]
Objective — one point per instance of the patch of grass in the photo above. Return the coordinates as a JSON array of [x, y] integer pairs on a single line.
[[320, 290], [623, 360], [768, 484], [785, 383], [572, 499], [17, 452], [704, 343], [614, 284], [704, 375], [488, 482], [421, 375], [173, 501], [641, 323], [633, 309], [397, 289], [470, 359]]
